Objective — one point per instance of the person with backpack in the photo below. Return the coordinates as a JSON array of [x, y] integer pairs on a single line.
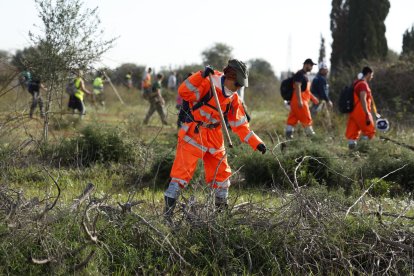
[[201, 137], [360, 119], [76, 99], [299, 103], [157, 102], [183, 108], [34, 88], [320, 89]]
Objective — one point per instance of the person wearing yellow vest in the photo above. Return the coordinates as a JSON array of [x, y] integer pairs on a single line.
[[98, 89], [76, 100], [128, 80]]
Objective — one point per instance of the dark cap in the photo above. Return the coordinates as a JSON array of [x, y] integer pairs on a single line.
[[242, 73], [309, 61]]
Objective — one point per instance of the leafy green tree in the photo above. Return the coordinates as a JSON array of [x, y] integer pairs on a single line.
[[322, 50], [7, 72], [260, 71], [4, 56], [118, 75], [22, 57], [408, 42], [69, 39], [217, 56], [262, 82]]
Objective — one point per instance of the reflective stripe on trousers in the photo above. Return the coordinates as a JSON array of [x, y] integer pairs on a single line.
[[204, 149]]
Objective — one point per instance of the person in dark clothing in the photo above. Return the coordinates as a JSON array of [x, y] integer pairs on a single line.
[[157, 102], [320, 89], [34, 88]]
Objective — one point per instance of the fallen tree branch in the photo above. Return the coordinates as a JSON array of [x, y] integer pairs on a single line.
[[85, 262], [85, 194], [41, 262], [164, 237], [369, 188]]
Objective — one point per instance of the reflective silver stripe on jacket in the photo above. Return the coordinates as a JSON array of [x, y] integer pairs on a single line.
[[180, 181], [208, 116], [192, 88], [191, 141], [185, 127], [248, 136], [239, 122]]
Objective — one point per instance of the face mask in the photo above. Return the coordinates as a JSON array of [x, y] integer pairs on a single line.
[[227, 92]]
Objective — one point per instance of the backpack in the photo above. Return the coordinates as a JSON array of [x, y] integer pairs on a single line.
[[71, 87], [346, 99], [286, 89], [186, 116], [186, 113]]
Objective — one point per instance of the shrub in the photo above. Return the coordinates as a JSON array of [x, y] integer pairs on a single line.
[[93, 145], [380, 187], [382, 161], [319, 167]]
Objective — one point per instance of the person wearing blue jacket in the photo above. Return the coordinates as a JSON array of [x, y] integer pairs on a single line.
[[320, 89]]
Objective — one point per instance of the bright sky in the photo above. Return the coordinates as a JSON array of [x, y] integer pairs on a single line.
[[174, 32]]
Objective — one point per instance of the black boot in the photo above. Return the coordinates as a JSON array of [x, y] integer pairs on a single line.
[[169, 208], [221, 204]]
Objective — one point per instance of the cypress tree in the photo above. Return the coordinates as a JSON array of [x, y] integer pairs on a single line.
[[408, 42], [322, 50], [339, 27], [358, 31]]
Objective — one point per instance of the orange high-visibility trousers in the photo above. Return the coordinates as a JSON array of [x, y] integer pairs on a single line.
[[357, 124], [217, 170], [301, 115]]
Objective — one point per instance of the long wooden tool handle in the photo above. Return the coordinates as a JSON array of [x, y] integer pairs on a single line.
[[223, 123], [113, 88]]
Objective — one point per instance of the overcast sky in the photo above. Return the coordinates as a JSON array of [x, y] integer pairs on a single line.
[[174, 32]]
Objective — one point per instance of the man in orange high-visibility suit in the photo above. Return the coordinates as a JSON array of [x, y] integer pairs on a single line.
[[201, 136], [299, 104], [360, 119]]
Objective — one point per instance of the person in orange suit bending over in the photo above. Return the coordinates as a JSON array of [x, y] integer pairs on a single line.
[[201, 137]]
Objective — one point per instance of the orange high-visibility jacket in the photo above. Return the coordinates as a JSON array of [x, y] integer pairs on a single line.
[[146, 82], [193, 89]]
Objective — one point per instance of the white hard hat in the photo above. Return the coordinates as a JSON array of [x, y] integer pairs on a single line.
[[382, 124]]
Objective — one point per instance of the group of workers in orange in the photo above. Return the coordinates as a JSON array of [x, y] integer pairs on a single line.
[[209, 94], [360, 119], [201, 137]]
